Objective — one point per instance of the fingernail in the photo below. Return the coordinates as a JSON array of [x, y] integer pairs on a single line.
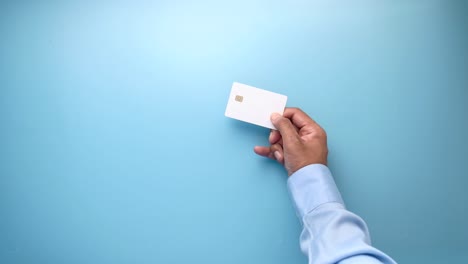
[[275, 116], [277, 155]]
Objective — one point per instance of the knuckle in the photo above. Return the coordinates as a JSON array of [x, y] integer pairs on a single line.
[[297, 110], [320, 132], [323, 133], [274, 148]]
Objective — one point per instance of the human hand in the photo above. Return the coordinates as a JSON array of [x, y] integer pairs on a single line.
[[298, 142]]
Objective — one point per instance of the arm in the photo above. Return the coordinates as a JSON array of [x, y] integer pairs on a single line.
[[331, 234]]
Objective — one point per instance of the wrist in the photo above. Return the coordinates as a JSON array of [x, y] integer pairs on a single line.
[[301, 165]]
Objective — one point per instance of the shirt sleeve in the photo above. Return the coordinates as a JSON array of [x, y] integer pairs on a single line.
[[331, 234]]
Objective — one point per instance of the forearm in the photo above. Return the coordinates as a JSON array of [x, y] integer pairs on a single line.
[[331, 234]]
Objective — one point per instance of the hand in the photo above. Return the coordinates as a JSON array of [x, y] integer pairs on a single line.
[[298, 142]]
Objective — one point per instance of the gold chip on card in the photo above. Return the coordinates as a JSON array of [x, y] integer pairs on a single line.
[[239, 98]]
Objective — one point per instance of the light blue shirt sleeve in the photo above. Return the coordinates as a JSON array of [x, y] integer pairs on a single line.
[[331, 234]]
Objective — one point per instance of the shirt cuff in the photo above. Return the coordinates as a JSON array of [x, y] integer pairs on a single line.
[[312, 186]]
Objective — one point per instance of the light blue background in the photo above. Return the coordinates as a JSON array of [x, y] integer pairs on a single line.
[[114, 147]]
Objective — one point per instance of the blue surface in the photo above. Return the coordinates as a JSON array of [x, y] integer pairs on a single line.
[[115, 148]]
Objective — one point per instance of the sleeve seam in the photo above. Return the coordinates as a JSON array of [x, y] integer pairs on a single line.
[[316, 207]]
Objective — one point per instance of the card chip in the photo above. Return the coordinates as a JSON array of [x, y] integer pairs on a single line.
[[239, 98]]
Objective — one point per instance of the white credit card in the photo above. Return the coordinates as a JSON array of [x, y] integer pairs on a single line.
[[254, 105]]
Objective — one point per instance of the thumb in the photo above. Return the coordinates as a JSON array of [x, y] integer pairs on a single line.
[[284, 126]]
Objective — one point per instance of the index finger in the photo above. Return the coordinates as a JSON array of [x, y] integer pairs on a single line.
[[298, 117]]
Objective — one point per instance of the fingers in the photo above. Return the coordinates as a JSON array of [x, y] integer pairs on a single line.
[[273, 152], [279, 156], [298, 117], [262, 151], [285, 127], [275, 136], [277, 152]]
